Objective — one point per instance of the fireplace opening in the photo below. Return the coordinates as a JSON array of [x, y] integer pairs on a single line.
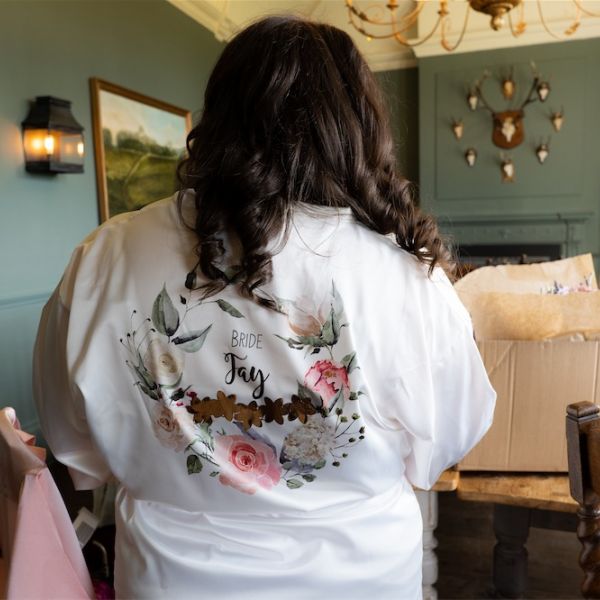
[[473, 256]]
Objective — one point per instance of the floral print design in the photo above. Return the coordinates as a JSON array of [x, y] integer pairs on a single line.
[[240, 457], [171, 427], [247, 464], [329, 380], [309, 445], [561, 289]]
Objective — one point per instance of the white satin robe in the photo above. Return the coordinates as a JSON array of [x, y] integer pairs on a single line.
[[372, 360]]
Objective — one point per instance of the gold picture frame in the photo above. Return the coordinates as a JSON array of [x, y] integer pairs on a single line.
[[138, 141]]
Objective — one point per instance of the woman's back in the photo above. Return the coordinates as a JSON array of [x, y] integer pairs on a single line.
[[265, 377], [260, 452]]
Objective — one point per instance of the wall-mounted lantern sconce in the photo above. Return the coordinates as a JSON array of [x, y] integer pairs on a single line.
[[52, 138]]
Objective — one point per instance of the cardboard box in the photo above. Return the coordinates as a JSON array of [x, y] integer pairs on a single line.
[[535, 381]]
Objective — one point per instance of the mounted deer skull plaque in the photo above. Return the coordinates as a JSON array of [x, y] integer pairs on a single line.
[[508, 128], [508, 125]]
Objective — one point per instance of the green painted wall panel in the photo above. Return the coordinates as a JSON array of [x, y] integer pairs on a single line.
[[454, 180], [53, 47], [401, 89], [569, 181]]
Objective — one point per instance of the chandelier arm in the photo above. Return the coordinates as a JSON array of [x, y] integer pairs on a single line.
[[396, 33], [571, 28], [367, 34], [411, 16], [445, 44], [585, 10], [520, 26], [362, 30], [414, 18], [402, 40]]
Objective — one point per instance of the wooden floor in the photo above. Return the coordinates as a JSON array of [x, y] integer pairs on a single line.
[[465, 549]]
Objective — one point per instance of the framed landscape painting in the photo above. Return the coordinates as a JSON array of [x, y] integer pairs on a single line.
[[138, 142]]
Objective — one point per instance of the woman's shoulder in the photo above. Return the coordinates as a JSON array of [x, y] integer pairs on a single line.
[[156, 212], [117, 242]]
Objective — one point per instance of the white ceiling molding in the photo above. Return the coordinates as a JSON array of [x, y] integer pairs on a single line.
[[225, 17], [211, 15], [559, 15], [389, 61], [476, 41]]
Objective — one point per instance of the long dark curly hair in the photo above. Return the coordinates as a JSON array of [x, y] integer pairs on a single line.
[[292, 113]]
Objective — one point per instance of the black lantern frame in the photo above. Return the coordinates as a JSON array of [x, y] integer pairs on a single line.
[[53, 139]]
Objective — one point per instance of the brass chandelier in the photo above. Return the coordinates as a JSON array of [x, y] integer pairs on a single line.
[[372, 19]]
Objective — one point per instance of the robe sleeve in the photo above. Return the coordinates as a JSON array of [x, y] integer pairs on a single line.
[[59, 401], [442, 397]]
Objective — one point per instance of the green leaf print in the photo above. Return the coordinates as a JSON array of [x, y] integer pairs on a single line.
[[309, 477], [320, 464], [205, 436], [150, 393], [194, 464], [331, 329], [228, 308], [192, 341], [164, 315], [294, 484], [349, 361], [145, 376], [304, 392]]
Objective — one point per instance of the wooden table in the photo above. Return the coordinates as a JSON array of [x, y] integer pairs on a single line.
[[520, 501], [533, 491]]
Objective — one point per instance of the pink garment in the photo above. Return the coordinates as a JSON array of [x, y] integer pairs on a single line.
[[38, 540]]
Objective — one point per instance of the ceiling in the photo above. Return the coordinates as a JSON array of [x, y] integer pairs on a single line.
[[225, 17]]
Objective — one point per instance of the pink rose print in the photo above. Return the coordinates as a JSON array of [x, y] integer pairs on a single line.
[[246, 464], [327, 378]]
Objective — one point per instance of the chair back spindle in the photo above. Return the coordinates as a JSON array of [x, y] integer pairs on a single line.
[[583, 447]]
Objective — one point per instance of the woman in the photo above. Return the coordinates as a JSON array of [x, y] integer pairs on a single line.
[[268, 361]]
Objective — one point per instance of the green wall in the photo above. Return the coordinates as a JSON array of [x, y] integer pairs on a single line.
[[556, 202], [401, 88], [52, 48]]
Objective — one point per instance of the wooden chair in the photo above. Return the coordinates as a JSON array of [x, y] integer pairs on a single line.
[[583, 446]]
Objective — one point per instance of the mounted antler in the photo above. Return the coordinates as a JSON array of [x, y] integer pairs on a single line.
[[508, 125], [531, 97], [479, 93]]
